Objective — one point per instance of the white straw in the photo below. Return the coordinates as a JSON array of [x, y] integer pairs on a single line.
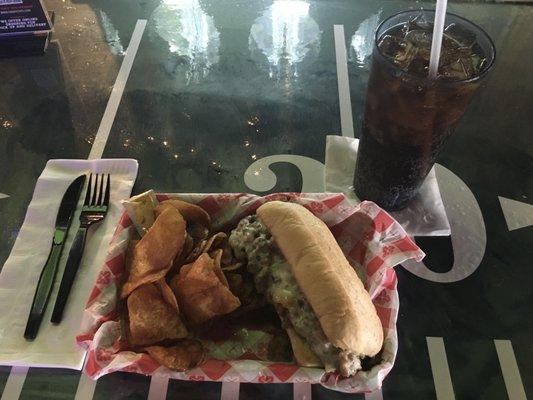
[[438, 28]]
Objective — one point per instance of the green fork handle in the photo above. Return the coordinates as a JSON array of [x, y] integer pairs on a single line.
[[73, 263], [44, 287]]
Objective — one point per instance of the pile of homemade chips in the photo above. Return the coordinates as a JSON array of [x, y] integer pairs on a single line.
[[175, 280]]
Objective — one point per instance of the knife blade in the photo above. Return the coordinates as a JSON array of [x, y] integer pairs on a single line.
[[66, 210]]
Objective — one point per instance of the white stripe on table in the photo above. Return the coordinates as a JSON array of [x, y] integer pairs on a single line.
[[510, 372], [301, 391], [230, 391], [440, 369], [116, 94], [14, 383], [376, 395], [516, 213], [86, 388], [345, 102], [158, 387]]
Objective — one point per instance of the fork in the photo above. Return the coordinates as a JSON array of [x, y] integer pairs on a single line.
[[93, 211]]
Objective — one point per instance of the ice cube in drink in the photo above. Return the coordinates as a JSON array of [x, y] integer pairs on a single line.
[[408, 46]]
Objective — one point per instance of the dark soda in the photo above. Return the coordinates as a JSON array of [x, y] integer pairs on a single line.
[[408, 116]]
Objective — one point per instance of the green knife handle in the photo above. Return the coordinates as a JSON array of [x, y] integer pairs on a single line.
[[44, 287], [73, 263]]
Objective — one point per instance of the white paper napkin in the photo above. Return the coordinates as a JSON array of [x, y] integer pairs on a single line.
[[55, 345], [424, 216]]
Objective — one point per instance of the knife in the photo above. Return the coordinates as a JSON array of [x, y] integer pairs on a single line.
[[46, 280]]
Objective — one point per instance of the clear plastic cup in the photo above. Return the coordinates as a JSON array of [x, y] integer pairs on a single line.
[[408, 116]]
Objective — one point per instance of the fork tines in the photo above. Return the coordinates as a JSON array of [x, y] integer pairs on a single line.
[[96, 196]]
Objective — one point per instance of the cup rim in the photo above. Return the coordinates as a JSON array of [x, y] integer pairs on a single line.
[[441, 81]]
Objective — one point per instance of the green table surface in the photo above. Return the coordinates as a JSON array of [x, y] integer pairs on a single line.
[[214, 87]]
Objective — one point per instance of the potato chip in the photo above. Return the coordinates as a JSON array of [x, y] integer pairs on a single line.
[[185, 355], [216, 255], [214, 242], [189, 244], [201, 292], [232, 267], [141, 209], [201, 243], [198, 231], [191, 212], [218, 271], [129, 258], [167, 293], [184, 270], [195, 253], [219, 241], [227, 254], [155, 252], [151, 318], [187, 249]]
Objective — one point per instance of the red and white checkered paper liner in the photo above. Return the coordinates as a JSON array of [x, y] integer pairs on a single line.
[[372, 241]]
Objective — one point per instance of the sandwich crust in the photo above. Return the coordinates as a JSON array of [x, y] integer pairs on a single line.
[[329, 283]]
